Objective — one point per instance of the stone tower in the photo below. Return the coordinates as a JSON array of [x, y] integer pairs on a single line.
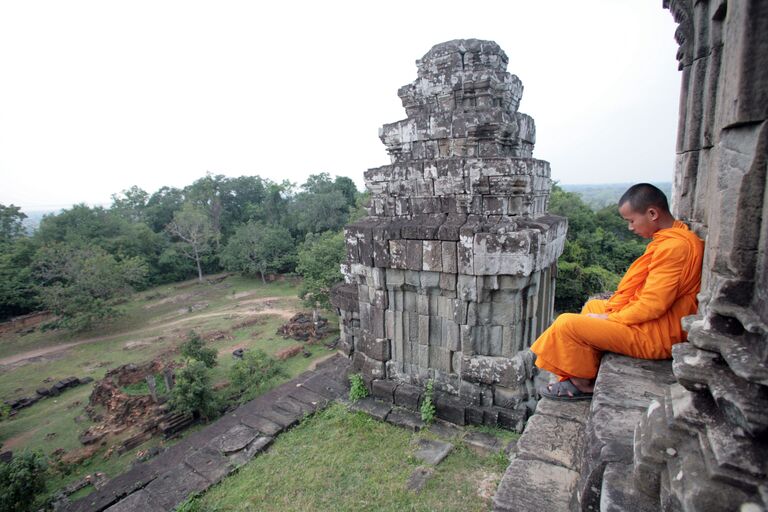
[[451, 277]]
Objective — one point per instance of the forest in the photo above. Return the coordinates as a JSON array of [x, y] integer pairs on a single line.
[[81, 262]]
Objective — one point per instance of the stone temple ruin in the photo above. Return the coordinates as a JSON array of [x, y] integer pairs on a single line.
[[451, 276]]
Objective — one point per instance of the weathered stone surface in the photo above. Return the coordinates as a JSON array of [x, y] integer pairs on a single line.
[[257, 446], [432, 452], [406, 419], [140, 500], [210, 463], [174, 486], [547, 487], [482, 443], [235, 439], [372, 407], [463, 202], [261, 424], [553, 440]]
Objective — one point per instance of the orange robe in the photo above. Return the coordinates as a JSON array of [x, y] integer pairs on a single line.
[[644, 314]]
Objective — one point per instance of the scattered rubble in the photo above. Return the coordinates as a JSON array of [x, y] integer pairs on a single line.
[[304, 327], [288, 352], [26, 401]]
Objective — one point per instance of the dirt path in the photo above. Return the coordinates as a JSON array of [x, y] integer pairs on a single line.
[[229, 311]]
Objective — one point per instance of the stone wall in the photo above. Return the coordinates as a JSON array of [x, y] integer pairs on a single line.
[[451, 276], [704, 445]]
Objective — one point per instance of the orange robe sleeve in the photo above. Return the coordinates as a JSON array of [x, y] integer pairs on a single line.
[[661, 286]]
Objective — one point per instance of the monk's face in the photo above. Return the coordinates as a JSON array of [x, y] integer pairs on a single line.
[[643, 224]]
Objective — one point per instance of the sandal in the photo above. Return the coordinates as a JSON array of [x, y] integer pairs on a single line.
[[564, 390]]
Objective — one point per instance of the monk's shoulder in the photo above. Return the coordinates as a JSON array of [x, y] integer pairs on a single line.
[[673, 248]]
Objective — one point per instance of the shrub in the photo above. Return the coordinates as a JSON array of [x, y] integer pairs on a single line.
[[21, 481], [357, 389], [193, 391], [427, 405], [194, 349], [251, 373]]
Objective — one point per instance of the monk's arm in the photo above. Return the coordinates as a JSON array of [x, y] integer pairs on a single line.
[[661, 285]]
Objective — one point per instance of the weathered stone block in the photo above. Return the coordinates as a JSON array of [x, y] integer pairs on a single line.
[[384, 390], [375, 348], [407, 395], [448, 256], [432, 259], [413, 254]]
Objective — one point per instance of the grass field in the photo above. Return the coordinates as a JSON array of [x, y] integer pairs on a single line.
[[152, 325], [347, 461]]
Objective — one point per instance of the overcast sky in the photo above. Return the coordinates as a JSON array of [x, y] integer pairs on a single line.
[[98, 96]]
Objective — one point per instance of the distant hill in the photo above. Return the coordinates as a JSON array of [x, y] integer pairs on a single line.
[[607, 194]]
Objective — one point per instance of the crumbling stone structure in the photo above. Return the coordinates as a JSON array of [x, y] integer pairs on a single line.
[[704, 446], [451, 277]]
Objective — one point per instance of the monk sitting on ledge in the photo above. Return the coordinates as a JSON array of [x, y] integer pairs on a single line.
[[642, 319]]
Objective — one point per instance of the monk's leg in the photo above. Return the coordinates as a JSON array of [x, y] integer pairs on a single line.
[[573, 345], [594, 306]]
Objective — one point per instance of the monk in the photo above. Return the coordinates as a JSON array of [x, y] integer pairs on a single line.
[[642, 318]]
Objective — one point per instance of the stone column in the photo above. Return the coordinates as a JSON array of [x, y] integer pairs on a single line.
[[453, 269]]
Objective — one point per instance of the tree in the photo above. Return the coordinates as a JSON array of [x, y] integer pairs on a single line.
[[193, 392], [161, 206], [11, 226], [319, 260], [18, 294], [192, 227], [21, 481], [80, 284], [257, 248], [254, 370], [194, 349], [130, 204]]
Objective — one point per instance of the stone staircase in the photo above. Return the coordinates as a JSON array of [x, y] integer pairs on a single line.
[[205, 457]]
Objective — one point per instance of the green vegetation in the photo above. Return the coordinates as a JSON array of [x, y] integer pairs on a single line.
[[357, 389], [427, 407], [194, 349], [598, 250], [236, 312], [319, 260], [193, 392], [253, 372], [21, 481], [367, 474], [599, 196], [82, 261]]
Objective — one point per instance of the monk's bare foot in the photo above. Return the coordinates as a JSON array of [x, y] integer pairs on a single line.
[[583, 385]]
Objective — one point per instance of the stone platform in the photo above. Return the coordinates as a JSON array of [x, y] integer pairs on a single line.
[[580, 455], [207, 456]]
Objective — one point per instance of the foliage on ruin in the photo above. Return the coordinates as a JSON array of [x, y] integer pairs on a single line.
[[427, 407], [357, 389]]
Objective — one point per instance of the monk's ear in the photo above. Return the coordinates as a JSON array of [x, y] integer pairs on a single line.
[[653, 213]]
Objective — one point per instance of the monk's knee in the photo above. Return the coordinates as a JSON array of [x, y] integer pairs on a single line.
[[565, 321]]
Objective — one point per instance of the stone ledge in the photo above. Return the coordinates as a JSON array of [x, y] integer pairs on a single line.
[[568, 449]]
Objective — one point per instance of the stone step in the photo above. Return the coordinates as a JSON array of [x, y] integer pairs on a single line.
[[618, 493]]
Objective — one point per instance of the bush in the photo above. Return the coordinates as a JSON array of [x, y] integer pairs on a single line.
[[193, 392], [576, 283], [21, 481], [427, 404], [253, 371], [194, 349], [357, 389]]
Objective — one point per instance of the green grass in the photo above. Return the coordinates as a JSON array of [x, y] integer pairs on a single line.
[[153, 324], [343, 461]]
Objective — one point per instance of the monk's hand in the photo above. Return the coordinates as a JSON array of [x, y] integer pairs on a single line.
[[601, 316]]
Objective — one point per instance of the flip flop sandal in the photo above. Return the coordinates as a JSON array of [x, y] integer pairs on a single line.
[[564, 390]]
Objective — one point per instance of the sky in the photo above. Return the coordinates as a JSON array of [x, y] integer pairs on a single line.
[[96, 97]]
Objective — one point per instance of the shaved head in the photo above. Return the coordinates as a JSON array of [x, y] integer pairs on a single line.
[[643, 196]]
